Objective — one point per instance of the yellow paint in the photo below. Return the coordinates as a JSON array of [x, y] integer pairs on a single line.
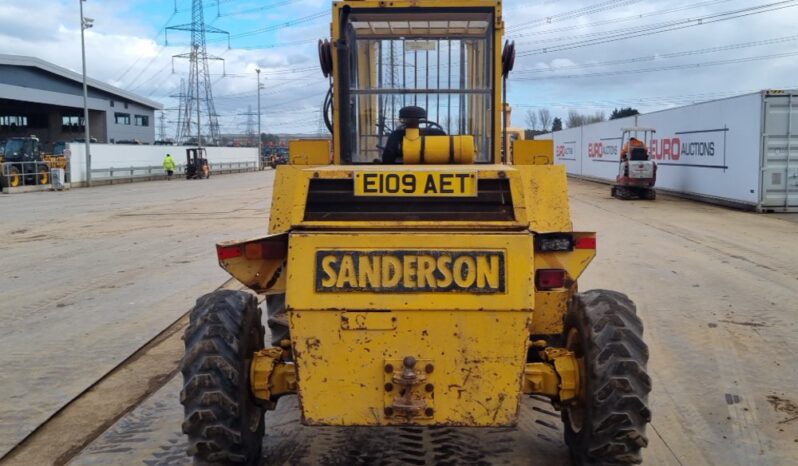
[[557, 377], [477, 340], [540, 378], [55, 161], [456, 295], [533, 152], [306, 281], [368, 321], [539, 193], [444, 183], [573, 262], [270, 376], [478, 357], [436, 149], [410, 271], [545, 189], [550, 307], [309, 152], [288, 197], [259, 274]]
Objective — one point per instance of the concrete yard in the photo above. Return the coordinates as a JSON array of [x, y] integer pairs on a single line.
[[96, 273], [90, 275]]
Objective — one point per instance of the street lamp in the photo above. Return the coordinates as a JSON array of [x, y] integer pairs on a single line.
[[85, 23], [260, 142]]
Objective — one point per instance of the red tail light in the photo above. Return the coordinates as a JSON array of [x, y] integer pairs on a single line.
[[270, 248], [548, 279], [585, 243], [228, 252]]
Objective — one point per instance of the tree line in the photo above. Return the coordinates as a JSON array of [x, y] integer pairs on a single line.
[[540, 121]]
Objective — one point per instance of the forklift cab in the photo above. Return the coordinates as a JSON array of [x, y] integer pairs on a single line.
[[414, 85], [197, 166], [22, 149]]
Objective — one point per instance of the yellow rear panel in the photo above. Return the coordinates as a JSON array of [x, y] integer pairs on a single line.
[[468, 335]]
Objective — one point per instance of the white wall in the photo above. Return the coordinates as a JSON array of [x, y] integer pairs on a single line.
[[720, 146], [122, 155], [710, 149]]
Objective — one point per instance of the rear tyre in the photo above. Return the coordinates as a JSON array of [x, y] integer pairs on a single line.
[[606, 426], [43, 175], [12, 177], [223, 421]]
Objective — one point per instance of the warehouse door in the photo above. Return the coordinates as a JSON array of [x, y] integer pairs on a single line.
[[780, 152]]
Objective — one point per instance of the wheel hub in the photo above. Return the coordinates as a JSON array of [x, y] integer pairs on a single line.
[[575, 410]]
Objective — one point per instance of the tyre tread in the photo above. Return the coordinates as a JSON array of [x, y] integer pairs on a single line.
[[214, 379], [618, 384]]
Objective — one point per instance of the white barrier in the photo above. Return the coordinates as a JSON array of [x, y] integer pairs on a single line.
[[740, 150], [106, 156]]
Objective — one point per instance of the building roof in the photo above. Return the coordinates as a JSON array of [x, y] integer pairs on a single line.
[[21, 60]]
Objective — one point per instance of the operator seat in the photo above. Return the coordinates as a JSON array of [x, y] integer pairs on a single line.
[[410, 117]]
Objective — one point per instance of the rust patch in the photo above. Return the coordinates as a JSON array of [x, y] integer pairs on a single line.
[[313, 343]]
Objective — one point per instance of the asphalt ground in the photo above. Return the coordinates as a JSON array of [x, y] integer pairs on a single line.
[[90, 275], [717, 290]]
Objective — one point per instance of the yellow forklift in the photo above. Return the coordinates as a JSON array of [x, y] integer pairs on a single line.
[[23, 164], [417, 278], [197, 166]]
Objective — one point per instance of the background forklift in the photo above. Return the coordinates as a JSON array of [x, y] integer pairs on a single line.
[[197, 166], [637, 173], [23, 164]]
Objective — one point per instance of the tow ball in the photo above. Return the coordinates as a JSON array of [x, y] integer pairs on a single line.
[[408, 389]]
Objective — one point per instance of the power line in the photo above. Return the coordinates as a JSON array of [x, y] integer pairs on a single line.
[[279, 26], [646, 58], [269, 90], [211, 29], [161, 30], [614, 36], [260, 8], [650, 100], [212, 3], [146, 67], [153, 76], [599, 7], [666, 68], [623, 19], [280, 44]]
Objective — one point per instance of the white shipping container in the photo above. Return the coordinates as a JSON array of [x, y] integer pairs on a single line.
[[741, 150]]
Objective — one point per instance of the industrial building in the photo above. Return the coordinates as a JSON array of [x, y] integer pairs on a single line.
[[42, 99]]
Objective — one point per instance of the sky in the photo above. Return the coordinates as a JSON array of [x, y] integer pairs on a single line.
[[571, 54]]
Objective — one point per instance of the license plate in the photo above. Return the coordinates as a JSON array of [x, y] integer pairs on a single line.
[[416, 184]]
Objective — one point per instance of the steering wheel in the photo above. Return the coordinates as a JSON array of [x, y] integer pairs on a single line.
[[432, 124]]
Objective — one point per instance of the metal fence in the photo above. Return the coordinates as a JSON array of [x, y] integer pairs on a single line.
[[156, 172], [15, 175]]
